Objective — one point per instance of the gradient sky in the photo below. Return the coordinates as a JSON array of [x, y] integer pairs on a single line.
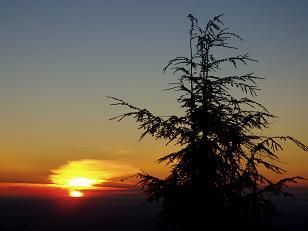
[[60, 59]]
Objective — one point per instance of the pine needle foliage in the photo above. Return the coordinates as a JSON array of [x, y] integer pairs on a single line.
[[215, 178]]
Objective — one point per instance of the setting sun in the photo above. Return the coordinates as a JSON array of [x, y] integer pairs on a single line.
[[77, 176], [75, 194], [88, 174]]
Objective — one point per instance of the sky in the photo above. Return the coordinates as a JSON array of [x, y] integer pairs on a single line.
[[60, 59]]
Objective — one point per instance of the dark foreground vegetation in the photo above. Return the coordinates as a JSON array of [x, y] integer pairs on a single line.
[[215, 178]]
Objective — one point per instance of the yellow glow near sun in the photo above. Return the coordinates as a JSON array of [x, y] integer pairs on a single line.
[[81, 182], [77, 175]]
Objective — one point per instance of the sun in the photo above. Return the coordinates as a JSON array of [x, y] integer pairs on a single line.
[[78, 176], [75, 185], [76, 193]]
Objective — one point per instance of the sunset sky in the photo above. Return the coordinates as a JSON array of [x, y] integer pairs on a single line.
[[60, 59]]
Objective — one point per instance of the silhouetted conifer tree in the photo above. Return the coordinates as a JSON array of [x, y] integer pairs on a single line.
[[215, 179]]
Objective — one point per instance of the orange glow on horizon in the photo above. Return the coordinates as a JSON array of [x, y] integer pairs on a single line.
[[37, 190]]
